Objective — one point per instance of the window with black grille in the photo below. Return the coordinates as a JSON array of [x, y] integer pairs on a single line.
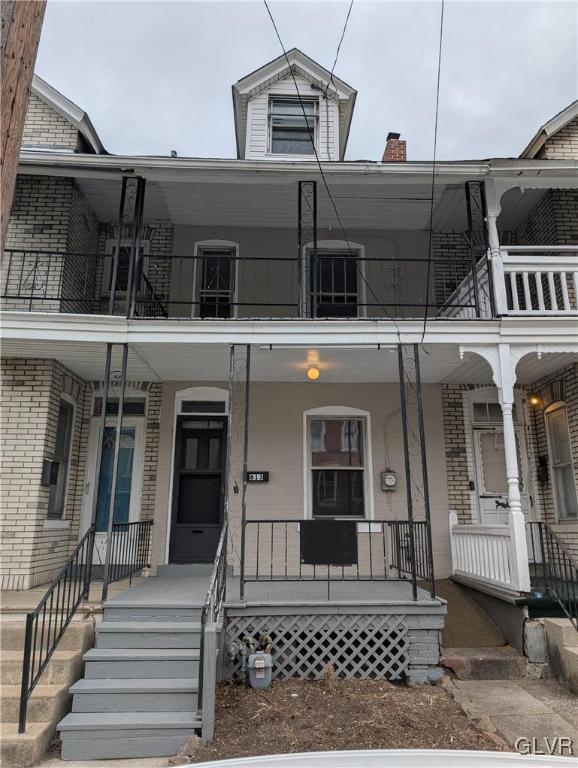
[[216, 282], [334, 283]]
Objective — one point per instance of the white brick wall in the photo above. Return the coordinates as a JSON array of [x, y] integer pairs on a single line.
[[562, 145], [44, 127]]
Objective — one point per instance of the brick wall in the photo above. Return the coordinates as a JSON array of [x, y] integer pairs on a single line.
[[562, 145], [44, 127], [32, 549], [568, 530], [447, 276]]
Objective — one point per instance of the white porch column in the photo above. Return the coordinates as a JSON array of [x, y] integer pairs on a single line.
[[494, 207], [518, 544]]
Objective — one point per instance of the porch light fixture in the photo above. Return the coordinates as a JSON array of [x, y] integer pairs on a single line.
[[313, 373], [534, 400]]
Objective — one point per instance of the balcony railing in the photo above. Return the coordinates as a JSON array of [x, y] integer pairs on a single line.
[[325, 286], [536, 280]]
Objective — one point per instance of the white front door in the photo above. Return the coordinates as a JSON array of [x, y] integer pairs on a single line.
[[491, 479], [129, 478]]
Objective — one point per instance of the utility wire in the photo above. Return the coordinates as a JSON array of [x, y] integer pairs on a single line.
[[433, 174], [325, 184], [331, 81]]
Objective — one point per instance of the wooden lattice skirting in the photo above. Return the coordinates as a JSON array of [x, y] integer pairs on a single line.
[[355, 645]]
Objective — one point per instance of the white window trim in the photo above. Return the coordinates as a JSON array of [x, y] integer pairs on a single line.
[[107, 271], [190, 393], [271, 96], [197, 273], [64, 521], [554, 408], [338, 412], [336, 245]]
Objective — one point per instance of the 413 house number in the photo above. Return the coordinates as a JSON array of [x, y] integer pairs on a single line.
[[257, 477]]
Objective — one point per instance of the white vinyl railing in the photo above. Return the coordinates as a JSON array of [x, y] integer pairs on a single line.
[[482, 553], [536, 280]]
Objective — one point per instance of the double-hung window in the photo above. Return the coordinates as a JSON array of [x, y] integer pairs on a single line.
[[337, 466], [563, 481], [292, 126], [57, 497], [216, 277], [334, 283]]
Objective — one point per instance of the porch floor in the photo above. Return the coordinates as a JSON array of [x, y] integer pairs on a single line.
[[173, 586], [345, 593]]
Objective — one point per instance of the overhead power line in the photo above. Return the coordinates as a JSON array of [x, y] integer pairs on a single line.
[[433, 173], [330, 81]]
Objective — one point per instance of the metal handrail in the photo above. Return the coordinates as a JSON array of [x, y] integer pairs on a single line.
[[130, 549], [559, 570], [214, 598], [277, 553], [47, 623]]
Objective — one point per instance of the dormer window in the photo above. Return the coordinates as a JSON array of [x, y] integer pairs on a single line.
[[292, 124]]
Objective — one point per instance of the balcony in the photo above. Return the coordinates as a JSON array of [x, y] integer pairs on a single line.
[[215, 285]]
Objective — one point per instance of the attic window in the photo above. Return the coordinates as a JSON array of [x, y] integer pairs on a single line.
[[292, 125]]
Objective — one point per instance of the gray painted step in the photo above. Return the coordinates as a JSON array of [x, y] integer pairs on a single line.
[[117, 735], [139, 612], [141, 663], [136, 695], [149, 634]]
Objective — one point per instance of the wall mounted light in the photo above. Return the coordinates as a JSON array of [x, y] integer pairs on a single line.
[[534, 399], [313, 373]]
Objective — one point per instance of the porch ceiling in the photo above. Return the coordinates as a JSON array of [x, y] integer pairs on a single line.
[[440, 363]]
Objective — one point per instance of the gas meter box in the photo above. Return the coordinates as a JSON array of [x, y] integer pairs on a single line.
[[260, 668]]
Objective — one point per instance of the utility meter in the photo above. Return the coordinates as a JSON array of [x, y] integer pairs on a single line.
[[260, 669], [388, 480]]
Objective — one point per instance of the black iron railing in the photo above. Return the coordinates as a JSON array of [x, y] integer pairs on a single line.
[[273, 553], [46, 624], [129, 550], [214, 599], [221, 286], [554, 570]]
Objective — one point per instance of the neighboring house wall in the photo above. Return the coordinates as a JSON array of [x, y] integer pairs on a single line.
[[258, 128], [276, 444], [34, 548], [44, 127], [50, 215], [566, 530], [553, 221], [563, 145]]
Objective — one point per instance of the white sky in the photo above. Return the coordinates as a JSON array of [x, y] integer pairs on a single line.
[[156, 76]]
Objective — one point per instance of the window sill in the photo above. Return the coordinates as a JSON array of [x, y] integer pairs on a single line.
[[55, 525]]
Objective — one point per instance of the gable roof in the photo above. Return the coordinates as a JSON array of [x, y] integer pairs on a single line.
[[69, 111], [278, 69], [549, 129]]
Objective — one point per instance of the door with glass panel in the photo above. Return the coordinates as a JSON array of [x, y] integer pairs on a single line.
[[128, 483], [561, 465], [198, 489], [334, 284]]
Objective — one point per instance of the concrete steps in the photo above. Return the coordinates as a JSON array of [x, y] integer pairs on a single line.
[[562, 642], [139, 694], [502, 663], [49, 701]]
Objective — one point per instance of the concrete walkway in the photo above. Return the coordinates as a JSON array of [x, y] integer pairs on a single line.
[[540, 709]]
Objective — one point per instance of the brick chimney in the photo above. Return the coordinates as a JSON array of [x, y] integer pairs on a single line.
[[394, 149]]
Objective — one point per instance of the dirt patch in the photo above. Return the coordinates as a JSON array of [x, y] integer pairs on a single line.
[[305, 716]]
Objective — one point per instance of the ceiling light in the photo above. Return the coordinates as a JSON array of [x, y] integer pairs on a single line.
[[313, 373]]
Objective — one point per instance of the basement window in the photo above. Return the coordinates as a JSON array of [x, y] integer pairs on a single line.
[[292, 126]]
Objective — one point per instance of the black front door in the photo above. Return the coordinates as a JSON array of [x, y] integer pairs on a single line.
[[198, 492]]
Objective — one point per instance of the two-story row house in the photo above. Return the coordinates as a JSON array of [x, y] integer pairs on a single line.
[[307, 376]]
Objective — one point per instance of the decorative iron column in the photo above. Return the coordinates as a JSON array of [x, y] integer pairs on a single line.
[[245, 468], [307, 279], [113, 485], [128, 228], [407, 464]]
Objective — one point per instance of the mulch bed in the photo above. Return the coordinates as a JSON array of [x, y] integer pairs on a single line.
[[331, 714]]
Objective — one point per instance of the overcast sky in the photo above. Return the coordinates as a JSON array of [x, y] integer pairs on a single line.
[[156, 76]]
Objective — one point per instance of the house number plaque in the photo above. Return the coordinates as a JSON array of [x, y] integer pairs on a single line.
[[257, 477]]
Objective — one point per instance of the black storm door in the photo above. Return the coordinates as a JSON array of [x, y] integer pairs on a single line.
[[198, 489]]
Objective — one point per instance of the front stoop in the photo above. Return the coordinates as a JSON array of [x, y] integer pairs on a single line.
[[562, 642], [502, 663], [49, 701]]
